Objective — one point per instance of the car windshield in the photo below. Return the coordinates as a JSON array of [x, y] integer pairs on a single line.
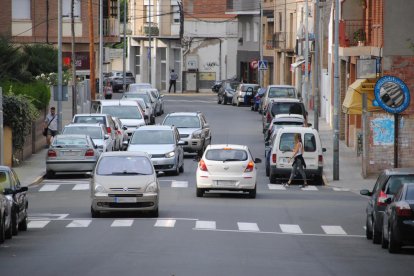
[[396, 181], [93, 132], [226, 155], [145, 97], [152, 137], [183, 121], [89, 120], [231, 85], [5, 182], [410, 193], [69, 142], [134, 88], [244, 88], [124, 165], [122, 111], [287, 108], [281, 92]]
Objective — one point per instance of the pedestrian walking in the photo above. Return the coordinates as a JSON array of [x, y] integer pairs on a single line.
[[298, 162], [50, 125], [173, 80], [108, 90]]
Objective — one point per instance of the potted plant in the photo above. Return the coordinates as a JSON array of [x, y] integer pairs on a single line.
[[359, 36]]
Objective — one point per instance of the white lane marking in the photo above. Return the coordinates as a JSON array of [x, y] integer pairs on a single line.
[[37, 224], [333, 230], [179, 184], [290, 228], [341, 189], [200, 224], [310, 188], [276, 187], [49, 188], [81, 187], [66, 182], [165, 223], [247, 226], [122, 223], [78, 223]]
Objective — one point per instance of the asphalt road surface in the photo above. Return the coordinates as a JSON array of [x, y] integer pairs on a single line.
[[317, 231]]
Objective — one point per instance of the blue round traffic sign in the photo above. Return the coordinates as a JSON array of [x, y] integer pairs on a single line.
[[392, 94]]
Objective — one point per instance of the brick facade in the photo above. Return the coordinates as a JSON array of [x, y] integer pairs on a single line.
[[5, 16], [206, 9]]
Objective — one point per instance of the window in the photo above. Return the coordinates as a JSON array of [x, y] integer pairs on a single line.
[[176, 14], [21, 9], [256, 31], [280, 21], [149, 13], [229, 4], [309, 143], [248, 30], [67, 8], [287, 142], [138, 61], [226, 155]]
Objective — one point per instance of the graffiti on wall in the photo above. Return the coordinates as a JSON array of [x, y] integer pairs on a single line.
[[208, 66], [382, 130]]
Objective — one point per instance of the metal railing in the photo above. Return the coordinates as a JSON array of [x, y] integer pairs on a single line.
[[355, 33]]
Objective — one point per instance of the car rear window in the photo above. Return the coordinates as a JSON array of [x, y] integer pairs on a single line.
[[93, 132], [65, 142], [410, 193], [122, 111], [183, 121], [90, 120], [226, 155], [124, 165], [309, 143], [152, 137], [281, 92], [287, 142], [287, 108], [395, 182]]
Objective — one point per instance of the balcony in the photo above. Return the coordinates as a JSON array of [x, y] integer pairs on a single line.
[[154, 30], [111, 27], [355, 33], [270, 44]]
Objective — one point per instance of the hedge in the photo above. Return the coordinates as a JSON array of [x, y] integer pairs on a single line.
[[37, 91]]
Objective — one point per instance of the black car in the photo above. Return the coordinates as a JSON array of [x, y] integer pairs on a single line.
[[226, 91], [216, 86], [117, 80], [16, 201], [386, 186], [398, 226]]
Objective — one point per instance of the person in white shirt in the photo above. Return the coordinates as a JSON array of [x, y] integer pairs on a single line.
[[298, 163], [51, 124]]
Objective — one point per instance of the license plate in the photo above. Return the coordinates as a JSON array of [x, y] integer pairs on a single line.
[[284, 160], [125, 199], [154, 162], [70, 153], [227, 183]]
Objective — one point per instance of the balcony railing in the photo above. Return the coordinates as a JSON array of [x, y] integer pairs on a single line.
[[270, 44], [155, 31], [111, 27], [355, 33]]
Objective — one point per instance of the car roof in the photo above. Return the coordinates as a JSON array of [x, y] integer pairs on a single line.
[[298, 129], [284, 100], [288, 119], [183, 114], [72, 135], [280, 85], [118, 102], [232, 146], [399, 171], [288, 116], [84, 125], [124, 153], [155, 127], [90, 114], [5, 168]]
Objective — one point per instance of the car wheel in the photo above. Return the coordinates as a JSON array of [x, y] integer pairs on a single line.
[[182, 168], [8, 234], [272, 178], [225, 100], [154, 213], [50, 174], [267, 171], [376, 235], [318, 179], [218, 100], [384, 242], [177, 170], [368, 229], [252, 193], [23, 224], [199, 192], [15, 219], [393, 245], [2, 231], [94, 213]]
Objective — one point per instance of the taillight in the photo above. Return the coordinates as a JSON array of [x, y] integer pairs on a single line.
[[202, 165], [274, 157], [89, 152], [320, 160], [51, 153], [249, 167], [382, 198], [403, 210], [108, 129], [269, 117]]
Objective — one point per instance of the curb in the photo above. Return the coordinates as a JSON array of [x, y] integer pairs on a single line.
[[37, 180]]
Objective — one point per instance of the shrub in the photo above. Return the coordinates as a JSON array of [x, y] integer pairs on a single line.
[[37, 91]]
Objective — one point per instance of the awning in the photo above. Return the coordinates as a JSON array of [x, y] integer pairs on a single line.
[[293, 66], [353, 99]]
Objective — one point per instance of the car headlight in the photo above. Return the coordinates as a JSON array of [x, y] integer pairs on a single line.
[[152, 188], [170, 154], [99, 188], [197, 134]]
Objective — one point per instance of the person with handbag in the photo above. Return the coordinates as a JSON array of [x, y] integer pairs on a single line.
[[298, 163], [108, 90], [50, 127]]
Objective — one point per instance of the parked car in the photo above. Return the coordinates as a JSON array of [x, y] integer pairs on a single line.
[[71, 153], [244, 94], [103, 119], [97, 132], [127, 111], [16, 202], [160, 102], [149, 110], [124, 181], [398, 226], [3, 214], [164, 146], [282, 106], [386, 186], [227, 167], [122, 135], [226, 91], [216, 86], [117, 80], [278, 91], [282, 150], [193, 128], [135, 87]]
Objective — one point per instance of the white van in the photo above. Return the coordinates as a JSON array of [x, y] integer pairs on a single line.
[[127, 111], [282, 149]]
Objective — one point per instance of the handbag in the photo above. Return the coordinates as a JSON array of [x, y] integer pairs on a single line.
[[44, 132]]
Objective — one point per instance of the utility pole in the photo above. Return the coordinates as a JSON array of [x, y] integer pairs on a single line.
[[181, 9], [1, 129], [149, 40], [100, 48], [72, 20], [91, 50], [261, 44], [59, 94], [317, 73], [124, 50], [306, 92], [336, 96]]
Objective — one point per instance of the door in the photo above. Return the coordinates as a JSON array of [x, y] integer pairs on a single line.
[[191, 81]]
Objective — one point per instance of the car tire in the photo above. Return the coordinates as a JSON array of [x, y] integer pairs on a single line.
[[182, 168], [384, 242], [267, 171], [376, 235], [225, 100], [154, 213], [8, 233], [199, 192], [50, 174], [218, 100], [94, 213], [252, 193], [318, 180], [368, 229], [14, 225], [2, 231], [393, 245], [272, 178], [23, 224], [177, 170]]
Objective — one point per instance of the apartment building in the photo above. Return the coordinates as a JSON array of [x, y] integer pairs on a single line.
[[35, 21]]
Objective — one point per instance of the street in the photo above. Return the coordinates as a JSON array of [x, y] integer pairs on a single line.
[[318, 230]]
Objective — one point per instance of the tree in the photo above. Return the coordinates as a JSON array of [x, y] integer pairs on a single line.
[[40, 59], [11, 62]]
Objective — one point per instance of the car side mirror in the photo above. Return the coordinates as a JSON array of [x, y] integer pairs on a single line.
[[106, 136], [365, 192], [257, 160], [181, 143], [323, 149]]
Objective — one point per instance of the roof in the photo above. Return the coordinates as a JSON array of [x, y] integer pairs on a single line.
[[299, 129], [90, 114], [118, 102], [124, 153], [288, 118], [233, 146], [155, 127], [83, 125], [4, 168]]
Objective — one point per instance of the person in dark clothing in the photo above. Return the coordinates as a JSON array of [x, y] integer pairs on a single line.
[[173, 80], [298, 163]]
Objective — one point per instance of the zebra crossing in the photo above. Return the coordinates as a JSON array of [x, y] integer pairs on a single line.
[[83, 185], [195, 224]]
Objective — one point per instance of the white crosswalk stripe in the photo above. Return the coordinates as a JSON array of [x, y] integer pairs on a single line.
[[310, 188], [79, 223], [333, 230], [122, 223], [179, 184], [200, 224], [81, 187], [290, 228], [37, 224], [341, 189], [49, 188], [276, 187], [247, 226], [165, 223]]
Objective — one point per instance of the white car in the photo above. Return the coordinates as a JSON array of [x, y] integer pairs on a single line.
[[227, 167]]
